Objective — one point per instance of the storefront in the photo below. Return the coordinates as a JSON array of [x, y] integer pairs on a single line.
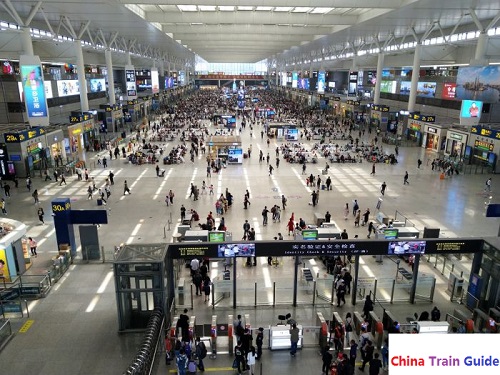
[[352, 109], [55, 146], [28, 151], [73, 142], [282, 131], [434, 137], [133, 109], [455, 143], [379, 116], [226, 149], [413, 132], [7, 169], [89, 134], [482, 147], [112, 118]]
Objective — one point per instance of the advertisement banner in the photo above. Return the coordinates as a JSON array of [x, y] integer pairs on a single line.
[[294, 79], [155, 81], [130, 82], [4, 268], [97, 84], [34, 90], [388, 87], [182, 78], [449, 91], [321, 82], [470, 112], [46, 84], [424, 89], [478, 83], [67, 87]]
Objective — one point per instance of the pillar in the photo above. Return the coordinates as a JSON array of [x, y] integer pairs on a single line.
[[111, 80], [84, 100], [380, 67], [414, 78], [277, 76], [482, 44], [129, 58], [26, 41], [162, 68], [311, 71]]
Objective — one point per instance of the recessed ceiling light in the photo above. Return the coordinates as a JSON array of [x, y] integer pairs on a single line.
[[207, 8], [321, 10], [226, 8], [283, 9], [301, 9], [187, 8]]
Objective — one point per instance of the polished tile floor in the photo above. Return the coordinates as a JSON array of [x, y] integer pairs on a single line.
[[75, 326]]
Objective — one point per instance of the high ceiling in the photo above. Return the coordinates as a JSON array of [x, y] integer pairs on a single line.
[[249, 30]]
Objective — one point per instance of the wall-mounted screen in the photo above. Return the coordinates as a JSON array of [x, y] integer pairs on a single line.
[[470, 112], [218, 236], [321, 82], [304, 84], [295, 77], [236, 250], [130, 82], [424, 89], [309, 234], [406, 247], [67, 87], [235, 156], [388, 87], [390, 233], [97, 84]]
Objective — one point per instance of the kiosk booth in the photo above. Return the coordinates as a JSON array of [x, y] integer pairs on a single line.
[[226, 120], [226, 148], [482, 148], [55, 145], [14, 252]]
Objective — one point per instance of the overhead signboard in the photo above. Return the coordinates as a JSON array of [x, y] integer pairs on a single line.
[[34, 90], [68, 87]]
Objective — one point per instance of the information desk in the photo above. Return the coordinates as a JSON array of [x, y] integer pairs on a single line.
[[279, 337]]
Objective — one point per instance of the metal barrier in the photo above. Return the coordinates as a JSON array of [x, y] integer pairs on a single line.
[[145, 357], [5, 333]]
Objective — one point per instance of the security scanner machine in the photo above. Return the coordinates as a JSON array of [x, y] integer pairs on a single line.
[[328, 233], [433, 327], [196, 235], [279, 337], [408, 232]]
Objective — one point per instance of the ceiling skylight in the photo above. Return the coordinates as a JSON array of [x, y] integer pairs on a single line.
[[187, 8], [301, 9], [245, 8], [283, 9], [226, 8], [321, 10], [263, 8], [207, 8]]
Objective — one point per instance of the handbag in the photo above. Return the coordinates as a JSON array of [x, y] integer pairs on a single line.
[[235, 363]]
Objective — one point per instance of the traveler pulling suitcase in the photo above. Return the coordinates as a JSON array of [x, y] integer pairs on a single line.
[[192, 367]]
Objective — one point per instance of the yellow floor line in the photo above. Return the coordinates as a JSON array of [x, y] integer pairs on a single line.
[[207, 369], [26, 326]]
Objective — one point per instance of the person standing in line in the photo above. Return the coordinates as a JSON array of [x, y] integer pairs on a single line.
[[382, 188], [40, 214], [405, 179], [125, 188], [353, 353], [251, 357], [239, 358], [32, 244], [294, 339], [181, 361], [259, 341], [35, 196], [371, 229], [63, 179], [366, 216], [201, 353], [357, 218]]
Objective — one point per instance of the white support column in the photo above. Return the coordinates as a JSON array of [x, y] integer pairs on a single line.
[[129, 58], [414, 77], [80, 66], [380, 67], [482, 44], [311, 71], [26, 41], [162, 68], [111, 80]]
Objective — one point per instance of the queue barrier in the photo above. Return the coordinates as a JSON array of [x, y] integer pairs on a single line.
[[357, 320], [388, 319], [192, 333], [323, 332], [213, 336], [230, 333], [377, 330]]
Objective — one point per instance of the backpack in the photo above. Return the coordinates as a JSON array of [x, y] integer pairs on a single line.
[[201, 350], [239, 330], [348, 327]]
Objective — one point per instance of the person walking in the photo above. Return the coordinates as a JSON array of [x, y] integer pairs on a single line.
[[35, 196], [171, 196], [104, 162], [366, 217], [382, 188], [239, 359], [328, 183], [63, 179], [33, 245], [487, 186], [40, 214], [181, 361], [371, 229], [28, 183], [373, 170], [125, 188], [355, 207], [346, 211], [368, 350], [283, 201], [326, 358], [270, 169], [183, 213], [419, 163], [201, 353], [294, 339], [259, 341], [110, 176], [89, 192], [6, 189], [56, 175], [405, 179]]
